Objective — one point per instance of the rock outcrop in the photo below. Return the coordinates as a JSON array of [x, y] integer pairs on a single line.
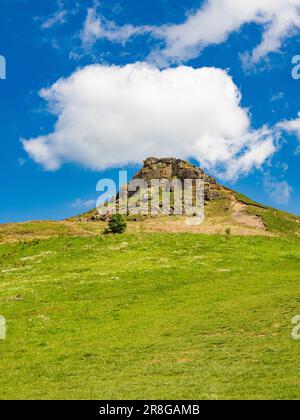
[[226, 211], [170, 168]]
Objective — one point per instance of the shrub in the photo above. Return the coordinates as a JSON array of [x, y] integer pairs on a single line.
[[116, 224]]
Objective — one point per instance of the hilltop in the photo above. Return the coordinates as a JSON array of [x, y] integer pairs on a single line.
[[154, 313], [225, 209]]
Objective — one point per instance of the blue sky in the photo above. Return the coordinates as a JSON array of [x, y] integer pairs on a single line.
[[46, 41]]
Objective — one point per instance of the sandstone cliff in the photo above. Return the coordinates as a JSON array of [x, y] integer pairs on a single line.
[[170, 168]]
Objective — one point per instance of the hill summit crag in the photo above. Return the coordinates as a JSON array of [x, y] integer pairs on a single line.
[[225, 210], [170, 168]]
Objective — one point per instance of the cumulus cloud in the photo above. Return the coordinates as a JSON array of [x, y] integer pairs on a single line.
[[109, 116], [211, 24]]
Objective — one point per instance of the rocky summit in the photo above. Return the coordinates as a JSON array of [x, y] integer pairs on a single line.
[[226, 211], [170, 168]]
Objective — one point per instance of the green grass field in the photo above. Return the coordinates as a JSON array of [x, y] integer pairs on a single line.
[[140, 316]]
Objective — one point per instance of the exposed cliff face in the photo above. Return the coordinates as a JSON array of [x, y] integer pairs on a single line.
[[170, 168]]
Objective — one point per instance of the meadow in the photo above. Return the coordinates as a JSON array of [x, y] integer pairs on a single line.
[[150, 316]]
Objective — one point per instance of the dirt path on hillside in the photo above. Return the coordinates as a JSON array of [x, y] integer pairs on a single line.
[[243, 218]]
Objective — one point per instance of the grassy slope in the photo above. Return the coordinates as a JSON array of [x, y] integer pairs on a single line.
[[28, 231], [150, 316], [219, 212], [276, 221]]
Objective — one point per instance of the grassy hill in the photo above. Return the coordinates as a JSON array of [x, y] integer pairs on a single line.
[[160, 312], [225, 210], [150, 316], [249, 218]]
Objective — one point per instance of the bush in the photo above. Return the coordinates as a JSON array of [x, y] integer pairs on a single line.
[[116, 224]]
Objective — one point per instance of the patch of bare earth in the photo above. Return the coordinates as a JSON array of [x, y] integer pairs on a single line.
[[243, 218], [210, 227], [237, 220]]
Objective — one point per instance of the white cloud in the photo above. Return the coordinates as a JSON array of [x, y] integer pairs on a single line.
[[97, 27], [211, 24], [214, 22], [279, 191], [277, 97], [80, 204], [21, 162], [57, 18], [291, 126], [112, 116]]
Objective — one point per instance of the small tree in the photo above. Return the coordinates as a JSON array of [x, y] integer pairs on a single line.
[[116, 224]]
